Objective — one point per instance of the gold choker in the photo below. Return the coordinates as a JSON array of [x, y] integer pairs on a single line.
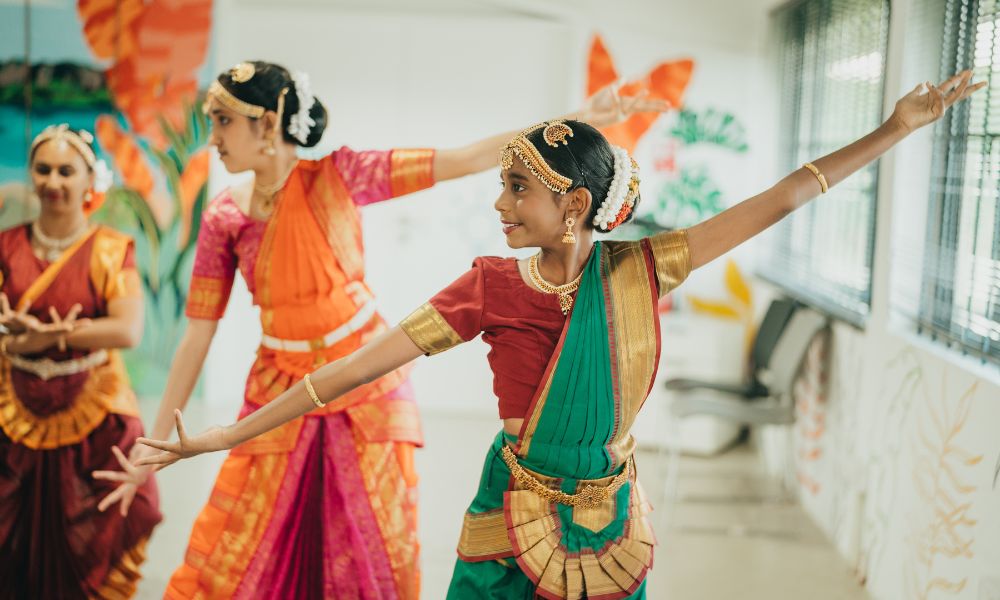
[[564, 291]]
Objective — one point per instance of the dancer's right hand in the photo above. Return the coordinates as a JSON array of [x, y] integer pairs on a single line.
[[210, 440], [130, 478]]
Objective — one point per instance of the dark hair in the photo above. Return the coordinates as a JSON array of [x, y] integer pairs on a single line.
[[587, 159], [264, 88]]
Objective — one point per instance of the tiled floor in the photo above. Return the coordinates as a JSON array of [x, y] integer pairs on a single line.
[[721, 542]]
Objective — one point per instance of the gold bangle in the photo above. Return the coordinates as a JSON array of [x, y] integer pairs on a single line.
[[312, 392], [819, 176], [3, 344]]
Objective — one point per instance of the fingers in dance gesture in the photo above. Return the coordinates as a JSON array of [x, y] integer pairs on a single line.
[[927, 102], [130, 477], [607, 106], [210, 440]]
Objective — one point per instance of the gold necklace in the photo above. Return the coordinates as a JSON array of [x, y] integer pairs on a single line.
[[268, 191], [564, 291]]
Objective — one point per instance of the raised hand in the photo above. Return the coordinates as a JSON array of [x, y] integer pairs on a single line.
[[607, 107], [131, 477], [927, 103], [210, 440]]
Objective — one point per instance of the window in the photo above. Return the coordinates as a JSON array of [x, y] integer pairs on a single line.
[[959, 300], [831, 57]]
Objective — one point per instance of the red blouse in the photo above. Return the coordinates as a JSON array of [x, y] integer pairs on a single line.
[[521, 325]]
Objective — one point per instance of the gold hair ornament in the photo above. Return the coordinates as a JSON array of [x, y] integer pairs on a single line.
[[533, 160], [220, 94], [79, 141], [242, 72]]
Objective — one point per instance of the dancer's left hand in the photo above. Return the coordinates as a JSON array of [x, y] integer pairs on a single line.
[[607, 107], [210, 440], [131, 477]]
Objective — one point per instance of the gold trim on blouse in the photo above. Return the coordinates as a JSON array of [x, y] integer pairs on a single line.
[[672, 259], [410, 170], [429, 331]]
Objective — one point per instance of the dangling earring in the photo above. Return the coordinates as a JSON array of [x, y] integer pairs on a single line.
[[569, 237], [88, 197], [269, 150]]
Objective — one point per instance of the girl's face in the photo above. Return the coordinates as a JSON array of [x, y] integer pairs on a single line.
[[60, 176], [530, 213], [240, 140]]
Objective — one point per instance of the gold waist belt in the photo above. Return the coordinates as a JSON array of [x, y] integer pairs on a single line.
[[46, 368], [591, 496]]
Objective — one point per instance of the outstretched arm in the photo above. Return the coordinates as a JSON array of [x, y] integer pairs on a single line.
[[387, 352], [604, 108], [716, 236]]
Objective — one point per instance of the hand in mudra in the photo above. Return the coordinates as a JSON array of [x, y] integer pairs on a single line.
[[210, 440], [607, 107], [927, 102]]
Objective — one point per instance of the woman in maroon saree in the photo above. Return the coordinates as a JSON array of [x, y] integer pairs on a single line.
[[70, 298]]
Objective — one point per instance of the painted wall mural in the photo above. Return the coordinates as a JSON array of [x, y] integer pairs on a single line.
[[138, 93], [684, 191], [892, 464], [943, 524]]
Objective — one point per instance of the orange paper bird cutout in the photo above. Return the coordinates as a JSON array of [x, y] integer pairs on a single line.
[[667, 81]]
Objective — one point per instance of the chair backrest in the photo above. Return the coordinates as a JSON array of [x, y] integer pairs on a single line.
[[775, 320], [791, 349]]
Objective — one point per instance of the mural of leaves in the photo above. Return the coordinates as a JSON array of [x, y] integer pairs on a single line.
[[712, 126], [902, 383], [996, 473], [944, 529], [689, 199], [154, 50], [810, 393]]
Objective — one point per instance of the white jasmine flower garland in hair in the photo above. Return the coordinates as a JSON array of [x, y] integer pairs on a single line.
[[301, 123], [103, 177], [618, 192]]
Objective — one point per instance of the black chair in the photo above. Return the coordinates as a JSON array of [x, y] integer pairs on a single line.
[[778, 314]]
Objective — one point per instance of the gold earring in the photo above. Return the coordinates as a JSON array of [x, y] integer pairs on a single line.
[[569, 237], [269, 150]]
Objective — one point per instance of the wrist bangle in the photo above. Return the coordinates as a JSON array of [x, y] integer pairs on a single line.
[[312, 392], [819, 176]]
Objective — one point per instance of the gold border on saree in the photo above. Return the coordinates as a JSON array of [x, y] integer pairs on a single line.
[[591, 496]]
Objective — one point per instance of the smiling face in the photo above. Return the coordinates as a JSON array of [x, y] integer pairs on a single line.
[[60, 176], [532, 215], [239, 140]]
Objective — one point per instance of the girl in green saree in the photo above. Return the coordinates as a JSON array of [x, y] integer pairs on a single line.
[[574, 339]]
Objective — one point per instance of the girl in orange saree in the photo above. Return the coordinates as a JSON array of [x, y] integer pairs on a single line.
[[65, 404], [326, 505]]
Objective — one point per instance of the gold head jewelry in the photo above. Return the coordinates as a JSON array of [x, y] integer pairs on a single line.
[[556, 132], [521, 147], [220, 94], [79, 141], [242, 72]]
